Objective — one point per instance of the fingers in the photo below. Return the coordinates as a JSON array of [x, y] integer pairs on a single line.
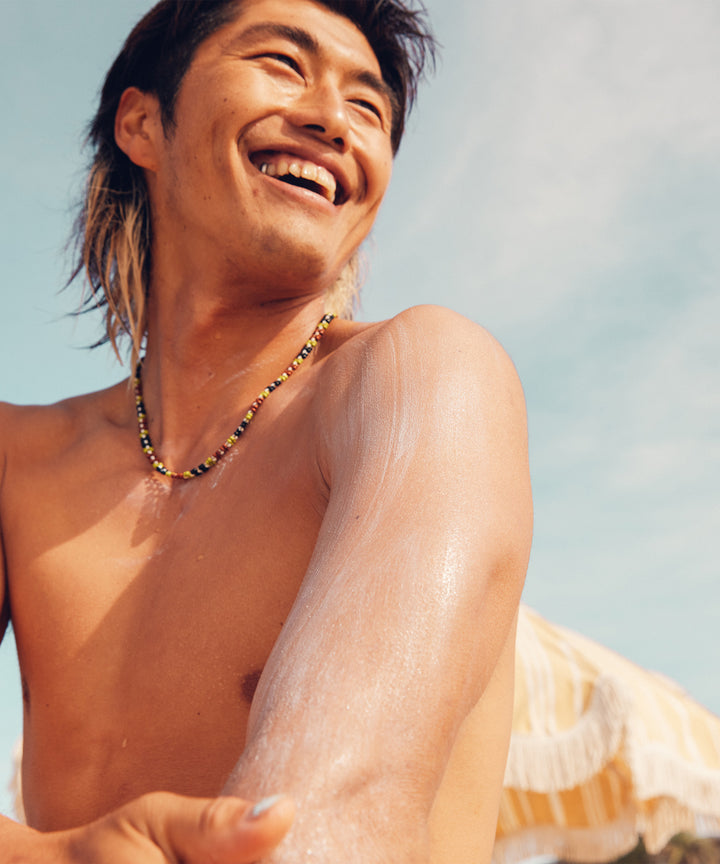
[[219, 830]]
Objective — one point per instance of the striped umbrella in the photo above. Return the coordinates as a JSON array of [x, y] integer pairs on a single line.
[[602, 752]]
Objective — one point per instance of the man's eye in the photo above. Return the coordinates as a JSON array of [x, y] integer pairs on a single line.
[[369, 106], [285, 59]]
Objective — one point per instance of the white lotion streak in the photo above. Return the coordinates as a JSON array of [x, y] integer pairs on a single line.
[[400, 620]]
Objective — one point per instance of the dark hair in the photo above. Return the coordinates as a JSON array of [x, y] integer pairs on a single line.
[[113, 231]]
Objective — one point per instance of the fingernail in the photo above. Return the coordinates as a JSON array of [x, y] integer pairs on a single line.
[[263, 806]]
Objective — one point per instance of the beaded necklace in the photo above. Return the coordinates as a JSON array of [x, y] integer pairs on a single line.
[[205, 466]]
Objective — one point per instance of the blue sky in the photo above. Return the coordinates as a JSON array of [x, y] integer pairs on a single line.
[[559, 184]]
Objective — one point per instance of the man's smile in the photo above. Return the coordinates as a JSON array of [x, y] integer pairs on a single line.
[[296, 171], [280, 136]]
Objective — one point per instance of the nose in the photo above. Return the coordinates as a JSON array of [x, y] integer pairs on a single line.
[[321, 110]]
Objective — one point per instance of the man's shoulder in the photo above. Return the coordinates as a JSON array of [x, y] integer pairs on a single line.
[[41, 432], [428, 375], [19, 421], [429, 344]]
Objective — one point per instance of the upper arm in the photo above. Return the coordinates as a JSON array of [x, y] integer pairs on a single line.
[[4, 598], [4, 602], [415, 578]]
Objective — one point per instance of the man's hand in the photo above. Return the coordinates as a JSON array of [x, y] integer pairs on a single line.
[[161, 828]]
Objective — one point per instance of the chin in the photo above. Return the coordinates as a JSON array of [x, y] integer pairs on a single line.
[[300, 262]]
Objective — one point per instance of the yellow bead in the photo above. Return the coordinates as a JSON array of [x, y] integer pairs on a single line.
[[187, 475]]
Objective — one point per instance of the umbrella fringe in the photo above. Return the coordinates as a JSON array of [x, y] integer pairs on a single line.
[[606, 842], [596, 844], [566, 759], [658, 773], [659, 820]]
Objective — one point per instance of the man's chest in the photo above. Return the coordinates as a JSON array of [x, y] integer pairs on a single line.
[[144, 613], [150, 589]]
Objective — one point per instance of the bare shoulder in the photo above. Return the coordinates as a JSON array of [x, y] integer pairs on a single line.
[[424, 426], [44, 432], [431, 358], [35, 441], [424, 402], [441, 341]]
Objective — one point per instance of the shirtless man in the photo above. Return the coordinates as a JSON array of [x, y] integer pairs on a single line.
[[359, 550]]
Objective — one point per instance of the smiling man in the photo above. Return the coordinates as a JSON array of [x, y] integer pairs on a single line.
[[285, 557]]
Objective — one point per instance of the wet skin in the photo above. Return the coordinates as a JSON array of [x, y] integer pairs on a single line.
[[351, 570]]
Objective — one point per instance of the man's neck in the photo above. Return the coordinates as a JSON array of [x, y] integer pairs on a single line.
[[206, 362]]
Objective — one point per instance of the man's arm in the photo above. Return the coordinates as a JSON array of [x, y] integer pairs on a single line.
[[4, 598], [409, 597]]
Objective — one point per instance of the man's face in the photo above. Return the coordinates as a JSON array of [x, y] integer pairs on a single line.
[[281, 153]]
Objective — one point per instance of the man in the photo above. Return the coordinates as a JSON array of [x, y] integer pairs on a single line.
[[321, 603]]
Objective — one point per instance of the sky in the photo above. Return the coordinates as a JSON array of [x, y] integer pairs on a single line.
[[559, 184]]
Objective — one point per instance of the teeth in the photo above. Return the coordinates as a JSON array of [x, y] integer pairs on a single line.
[[327, 181], [282, 166]]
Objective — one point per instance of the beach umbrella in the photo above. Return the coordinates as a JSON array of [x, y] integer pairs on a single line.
[[602, 752]]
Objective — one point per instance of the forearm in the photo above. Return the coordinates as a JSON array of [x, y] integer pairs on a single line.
[[366, 825], [12, 832], [22, 845]]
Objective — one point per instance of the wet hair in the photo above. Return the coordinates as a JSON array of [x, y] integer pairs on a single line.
[[113, 231]]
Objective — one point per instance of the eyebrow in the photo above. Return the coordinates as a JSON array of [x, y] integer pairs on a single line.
[[300, 37], [307, 42]]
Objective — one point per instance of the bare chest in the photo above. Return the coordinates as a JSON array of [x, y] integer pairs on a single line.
[[145, 611], [179, 577]]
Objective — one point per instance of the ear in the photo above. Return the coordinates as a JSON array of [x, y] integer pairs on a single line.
[[138, 127]]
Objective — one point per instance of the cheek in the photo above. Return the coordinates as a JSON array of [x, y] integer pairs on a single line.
[[387, 173], [379, 171]]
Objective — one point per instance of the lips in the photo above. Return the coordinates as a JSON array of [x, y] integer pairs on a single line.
[[296, 171]]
